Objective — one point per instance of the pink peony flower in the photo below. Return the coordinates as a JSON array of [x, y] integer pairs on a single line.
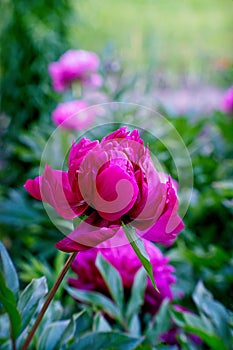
[[75, 65], [73, 115], [110, 182], [124, 260], [227, 102]]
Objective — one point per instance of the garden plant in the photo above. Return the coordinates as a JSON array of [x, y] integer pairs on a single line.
[[115, 213]]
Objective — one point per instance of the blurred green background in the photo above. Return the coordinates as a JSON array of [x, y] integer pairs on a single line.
[[178, 36]]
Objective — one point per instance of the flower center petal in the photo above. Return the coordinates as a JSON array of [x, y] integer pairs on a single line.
[[116, 192]]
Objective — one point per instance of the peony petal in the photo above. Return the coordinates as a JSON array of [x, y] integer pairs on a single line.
[[116, 192], [122, 133], [87, 235], [152, 199], [53, 187], [33, 187], [169, 224], [56, 191], [78, 151]]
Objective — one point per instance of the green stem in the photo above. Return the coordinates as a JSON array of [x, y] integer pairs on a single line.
[[49, 299]]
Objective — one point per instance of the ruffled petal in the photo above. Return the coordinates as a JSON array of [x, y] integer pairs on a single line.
[[53, 187], [122, 133], [150, 205], [169, 224], [33, 187], [115, 193], [87, 235], [79, 150]]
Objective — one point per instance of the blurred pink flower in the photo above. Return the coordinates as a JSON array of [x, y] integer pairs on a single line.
[[110, 182], [75, 65], [127, 263], [73, 115], [227, 101]]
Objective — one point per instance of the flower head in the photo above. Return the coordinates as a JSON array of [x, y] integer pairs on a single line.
[[227, 101], [75, 65], [124, 260], [110, 182], [73, 115]]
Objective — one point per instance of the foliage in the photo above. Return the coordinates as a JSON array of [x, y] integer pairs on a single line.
[[116, 324], [26, 96]]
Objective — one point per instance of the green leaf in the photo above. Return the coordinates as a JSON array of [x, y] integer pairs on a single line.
[[98, 300], [84, 323], [71, 330], [9, 271], [4, 328], [100, 324], [52, 335], [194, 324], [6, 346], [77, 221], [139, 248], [160, 323], [8, 301], [134, 325], [106, 341], [145, 346], [112, 279], [215, 312], [184, 342], [53, 313], [137, 294], [30, 297]]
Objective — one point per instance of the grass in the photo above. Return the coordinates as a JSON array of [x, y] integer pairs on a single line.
[[179, 34]]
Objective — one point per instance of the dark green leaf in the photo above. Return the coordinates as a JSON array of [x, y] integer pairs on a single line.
[[8, 301], [6, 346], [106, 341], [137, 294], [160, 323], [134, 325], [30, 298], [78, 220], [71, 330], [215, 312], [112, 279], [100, 324], [84, 323], [139, 248], [145, 347], [184, 342], [97, 300], [9, 271], [52, 335], [4, 328], [53, 313], [194, 324]]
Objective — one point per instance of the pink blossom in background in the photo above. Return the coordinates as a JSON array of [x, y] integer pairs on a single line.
[[127, 263], [75, 65], [227, 102], [74, 115], [110, 182]]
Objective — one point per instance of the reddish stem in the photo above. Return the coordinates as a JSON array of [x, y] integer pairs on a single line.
[[49, 299]]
